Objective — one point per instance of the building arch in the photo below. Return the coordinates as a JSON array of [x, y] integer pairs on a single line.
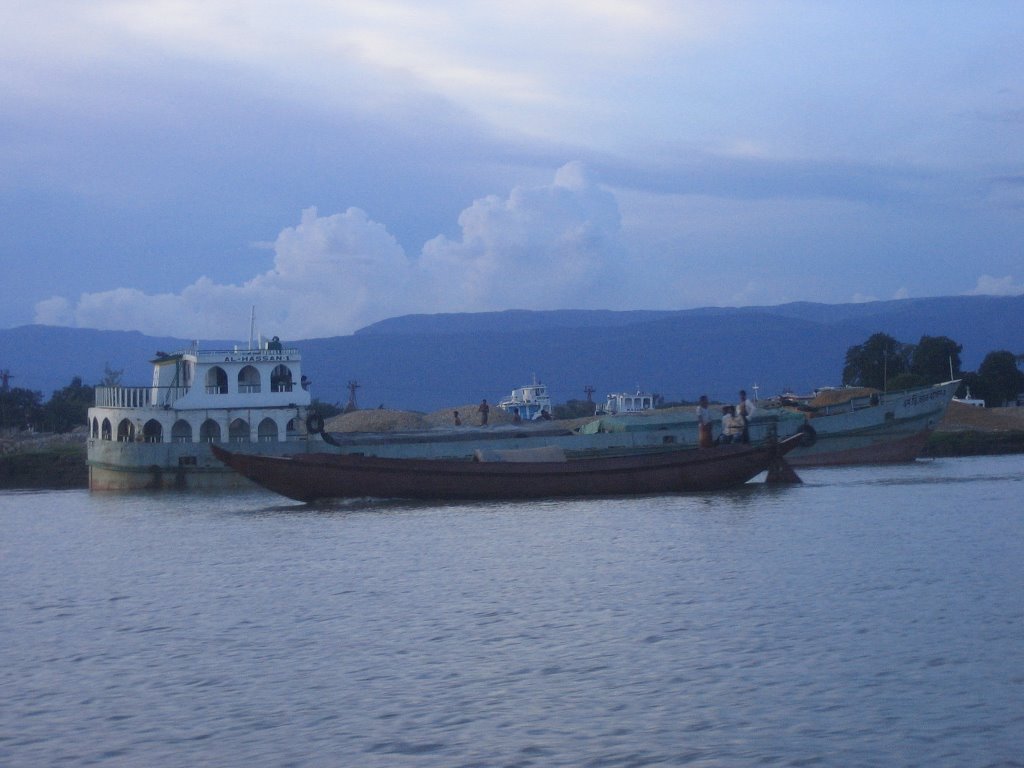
[[94, 428], [181, 432], [106, 432], [267, 430], [216, 381], [125, 431], [238, 431], [209, 432], [249, 380], [281, 379], [153, 431]]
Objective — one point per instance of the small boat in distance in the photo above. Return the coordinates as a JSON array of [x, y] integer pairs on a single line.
[[974, 402], [624, 402], [531, 402], [543, 474]]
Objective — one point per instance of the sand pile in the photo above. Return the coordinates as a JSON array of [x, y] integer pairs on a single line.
[[468, 413], [837, 396], [383, 420], [376, 420], [969, 417]]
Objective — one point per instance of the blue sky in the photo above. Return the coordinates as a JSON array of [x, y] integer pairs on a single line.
[[167, 165]]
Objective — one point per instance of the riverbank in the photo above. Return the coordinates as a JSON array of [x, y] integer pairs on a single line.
[[58, 461], [53, 462], [971, 431]]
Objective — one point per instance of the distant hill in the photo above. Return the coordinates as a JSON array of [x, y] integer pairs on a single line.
[[425, 362]]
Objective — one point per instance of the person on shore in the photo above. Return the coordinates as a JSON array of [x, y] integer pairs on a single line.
[[458, 421], [744, 412], [703, 423], [484, 409]]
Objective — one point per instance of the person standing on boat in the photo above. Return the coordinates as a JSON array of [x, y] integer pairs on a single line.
[[703, 423], [731, 426], [483, 410], [744, 412]]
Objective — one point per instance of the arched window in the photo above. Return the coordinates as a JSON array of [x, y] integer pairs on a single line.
[[153, 432], [249, 380], [216, 381], [292, 430], [209, 432], [281, 379], [125, 431], [105, 434], [238, 431], [268, 430], [181, 432], [95, 428]]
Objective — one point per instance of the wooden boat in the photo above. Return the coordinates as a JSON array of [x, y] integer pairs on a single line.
[[310, 476], [882, 428]]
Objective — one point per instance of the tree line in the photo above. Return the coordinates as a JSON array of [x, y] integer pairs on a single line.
[[885, 363], [67, 408], [882, 362]]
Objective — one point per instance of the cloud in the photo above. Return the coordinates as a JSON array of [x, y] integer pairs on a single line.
[[997, 286], [542, 247]]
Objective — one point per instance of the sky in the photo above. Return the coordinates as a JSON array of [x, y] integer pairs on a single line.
[[177, 167]]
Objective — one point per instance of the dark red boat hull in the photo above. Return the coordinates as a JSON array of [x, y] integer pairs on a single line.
[[311, 476]]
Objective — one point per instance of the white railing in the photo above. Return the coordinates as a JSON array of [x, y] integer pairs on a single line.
[[137, 397]]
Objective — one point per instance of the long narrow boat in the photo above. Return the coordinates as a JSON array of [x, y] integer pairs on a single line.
[[882, 428], [310, 476]]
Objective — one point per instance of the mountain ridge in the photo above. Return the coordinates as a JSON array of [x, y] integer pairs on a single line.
[[425, 362]]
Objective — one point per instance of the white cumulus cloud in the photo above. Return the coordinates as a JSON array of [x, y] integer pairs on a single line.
[[541, 247], [997, 286]]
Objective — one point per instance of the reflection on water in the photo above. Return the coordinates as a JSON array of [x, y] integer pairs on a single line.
[[871, 616]]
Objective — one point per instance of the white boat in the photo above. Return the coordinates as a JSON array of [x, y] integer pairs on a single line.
[[531, 402], [625, 402], [971, 401], [159, 436]]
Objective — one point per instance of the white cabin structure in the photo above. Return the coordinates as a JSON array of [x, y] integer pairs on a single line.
[[624, 402], [530, 401], [256, 396]]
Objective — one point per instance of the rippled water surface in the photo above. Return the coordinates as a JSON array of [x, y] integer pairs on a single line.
[[870, 617]]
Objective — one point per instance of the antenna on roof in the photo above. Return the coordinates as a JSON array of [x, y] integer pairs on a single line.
[[252, 325]]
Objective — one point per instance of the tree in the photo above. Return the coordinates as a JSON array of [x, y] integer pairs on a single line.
[[327, 410], [1000, 379], [906, 381], [111, 376], [877, 360], [20, 407], [69, 407], [574, 409], [936, 358]]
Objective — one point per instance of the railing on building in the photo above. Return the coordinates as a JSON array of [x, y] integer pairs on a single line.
[[138, 397]]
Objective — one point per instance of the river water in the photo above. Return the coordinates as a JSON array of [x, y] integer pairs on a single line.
[[872, 616]]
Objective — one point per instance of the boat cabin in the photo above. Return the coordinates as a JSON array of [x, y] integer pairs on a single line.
[[623, 402], [531, 402], [236, 395]]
